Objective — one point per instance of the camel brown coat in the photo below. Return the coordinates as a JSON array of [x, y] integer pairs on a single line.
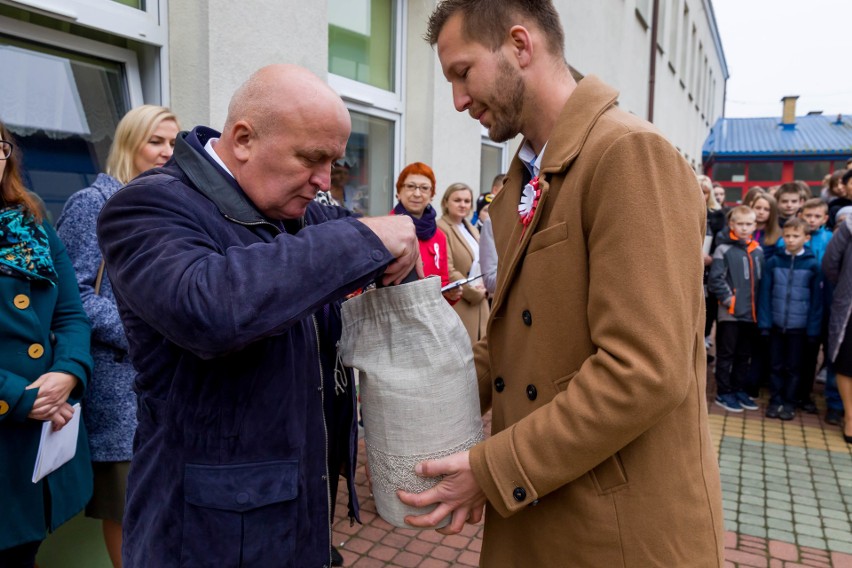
[[473, 307], [594, 364]]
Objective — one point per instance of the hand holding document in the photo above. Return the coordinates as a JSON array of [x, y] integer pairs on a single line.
[[458, 283], [56, 448]]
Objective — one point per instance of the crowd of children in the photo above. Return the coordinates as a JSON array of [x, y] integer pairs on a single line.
[[771, 291]]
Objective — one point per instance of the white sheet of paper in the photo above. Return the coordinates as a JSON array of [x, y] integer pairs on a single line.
[[56, 448], [708, 242]]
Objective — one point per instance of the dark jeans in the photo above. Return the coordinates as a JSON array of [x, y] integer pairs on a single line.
[[758, 373], [808, 372], [786, 352], [734, 343], [21, 556], [711, 306]]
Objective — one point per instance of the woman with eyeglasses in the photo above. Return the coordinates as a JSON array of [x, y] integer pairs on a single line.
[[45, 366], [415, 189], [144, 139]]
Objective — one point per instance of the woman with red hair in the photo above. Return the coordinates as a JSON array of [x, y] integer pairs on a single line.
[[415, 189]]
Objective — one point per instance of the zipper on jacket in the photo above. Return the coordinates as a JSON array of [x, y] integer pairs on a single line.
[[789, 293], [751, 280], [252, 223], [325, 431]]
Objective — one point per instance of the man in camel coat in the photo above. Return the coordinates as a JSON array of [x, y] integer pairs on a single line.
[[594, 361]]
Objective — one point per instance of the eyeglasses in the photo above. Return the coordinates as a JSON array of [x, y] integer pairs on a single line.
[[411, 188], [5, 149]]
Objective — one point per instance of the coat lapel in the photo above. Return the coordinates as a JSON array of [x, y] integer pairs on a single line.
[[586, 104]]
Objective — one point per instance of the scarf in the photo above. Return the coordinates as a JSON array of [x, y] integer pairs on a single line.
[[425, 226], [24, 249]]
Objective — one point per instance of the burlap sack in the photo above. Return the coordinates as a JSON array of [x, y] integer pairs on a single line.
[[418, 386]]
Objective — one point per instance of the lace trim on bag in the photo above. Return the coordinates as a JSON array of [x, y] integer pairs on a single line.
[[390, 472]]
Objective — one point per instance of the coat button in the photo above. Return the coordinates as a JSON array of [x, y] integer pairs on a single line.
[[534, 503], [4, 407], [242, 498], [22, 301], [519, 494], [527, 317], [499, 385], [35, 350], [532, 393]]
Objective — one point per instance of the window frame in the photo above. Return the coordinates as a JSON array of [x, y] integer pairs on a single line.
[[112, 17], [379, 103], [356, 92], [62, 40], [504, 155], [396, 120]]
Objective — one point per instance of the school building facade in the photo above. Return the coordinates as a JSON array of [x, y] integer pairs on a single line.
[[79, 65]]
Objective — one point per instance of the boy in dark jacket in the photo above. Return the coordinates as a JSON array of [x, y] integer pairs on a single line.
[[735, 280], [790, 311]]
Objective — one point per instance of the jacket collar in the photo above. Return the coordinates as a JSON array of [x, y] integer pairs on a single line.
[[212, 181], [587, 103]]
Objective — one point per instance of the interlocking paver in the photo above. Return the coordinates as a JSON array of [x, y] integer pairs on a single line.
[[787, 491]]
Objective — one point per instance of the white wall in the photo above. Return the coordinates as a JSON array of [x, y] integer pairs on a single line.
[[607, 38], [216, 44], [435, 133]]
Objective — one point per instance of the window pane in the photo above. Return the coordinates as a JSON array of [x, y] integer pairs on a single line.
[[725, 171], [490, 165], [371, 184], [811, 171], [65, 132], [361, 40], [764, 171], [733, 195], [140, 4]]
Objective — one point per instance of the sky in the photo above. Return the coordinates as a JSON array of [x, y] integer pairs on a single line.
[[776, 48]]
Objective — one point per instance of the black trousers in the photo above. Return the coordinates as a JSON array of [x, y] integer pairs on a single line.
[[786, 352], [711, 306], [734, 344], [809, 367], [21, 556]]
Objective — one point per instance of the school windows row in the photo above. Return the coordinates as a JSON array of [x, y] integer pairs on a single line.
[[80, 65]]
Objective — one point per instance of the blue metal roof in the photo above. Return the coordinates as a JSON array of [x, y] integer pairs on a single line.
[[813, 135]]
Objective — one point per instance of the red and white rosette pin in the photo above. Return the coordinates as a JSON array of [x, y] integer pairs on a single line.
[[528, 203]]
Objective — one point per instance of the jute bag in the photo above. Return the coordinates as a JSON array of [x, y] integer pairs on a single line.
[[419, 394]]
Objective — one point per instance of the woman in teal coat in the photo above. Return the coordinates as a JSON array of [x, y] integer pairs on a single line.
[[44, 367]]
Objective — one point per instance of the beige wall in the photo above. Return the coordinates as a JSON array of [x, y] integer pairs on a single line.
[[215, 45], [435, 133]]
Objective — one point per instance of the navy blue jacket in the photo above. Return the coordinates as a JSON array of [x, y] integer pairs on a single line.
[[224, 316], [790, 294]]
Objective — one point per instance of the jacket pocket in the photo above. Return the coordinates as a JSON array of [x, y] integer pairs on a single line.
[[240, 514], [547, 237], [609, 476]]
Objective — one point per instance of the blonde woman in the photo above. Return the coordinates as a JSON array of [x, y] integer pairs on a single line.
[[463, 248], [144, 139]]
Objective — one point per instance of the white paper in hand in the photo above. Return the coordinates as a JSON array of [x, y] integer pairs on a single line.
[[56, 448]]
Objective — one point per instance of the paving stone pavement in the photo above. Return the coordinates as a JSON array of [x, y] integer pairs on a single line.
[[787, 498]]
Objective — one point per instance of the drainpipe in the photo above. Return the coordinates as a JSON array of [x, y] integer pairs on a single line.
[[652, 78]]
